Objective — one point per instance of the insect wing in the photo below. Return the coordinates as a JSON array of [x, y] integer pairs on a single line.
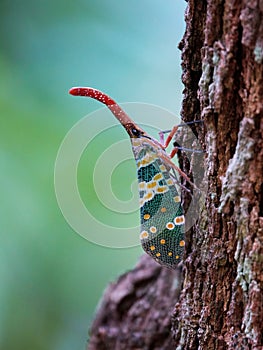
[[162, 219]]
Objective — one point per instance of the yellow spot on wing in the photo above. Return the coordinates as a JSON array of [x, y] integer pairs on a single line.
[[146, 216], [177, 199], [158, 177], [169, 225], [158, 254], [179, 220], [163, 210], [153, 229], [152, 247], [142, 185], [182, 243], [162, 241], [149, 195], [144, 234], [162, 189], [152, 184]]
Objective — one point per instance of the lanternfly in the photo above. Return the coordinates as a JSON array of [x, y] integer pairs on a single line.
[[161, 213]]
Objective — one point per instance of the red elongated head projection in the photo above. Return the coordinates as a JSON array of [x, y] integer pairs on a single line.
[[133, 130]]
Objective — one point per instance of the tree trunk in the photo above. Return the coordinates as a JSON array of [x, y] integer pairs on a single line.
[[220, 305]]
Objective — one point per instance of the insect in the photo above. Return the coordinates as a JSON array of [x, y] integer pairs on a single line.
[[161, 213]]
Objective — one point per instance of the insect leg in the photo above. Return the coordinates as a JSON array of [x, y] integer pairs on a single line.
[[168, 161], [173, 131], [169, 137]]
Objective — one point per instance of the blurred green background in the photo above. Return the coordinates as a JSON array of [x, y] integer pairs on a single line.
[[51, 278]]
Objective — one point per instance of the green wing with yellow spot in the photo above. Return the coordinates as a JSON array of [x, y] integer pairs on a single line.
[[162, 219]]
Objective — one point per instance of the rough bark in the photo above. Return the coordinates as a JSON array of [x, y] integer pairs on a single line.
[[220, 305], [135, 312]]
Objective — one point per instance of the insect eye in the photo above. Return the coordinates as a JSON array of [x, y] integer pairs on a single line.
[[135, 132]]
